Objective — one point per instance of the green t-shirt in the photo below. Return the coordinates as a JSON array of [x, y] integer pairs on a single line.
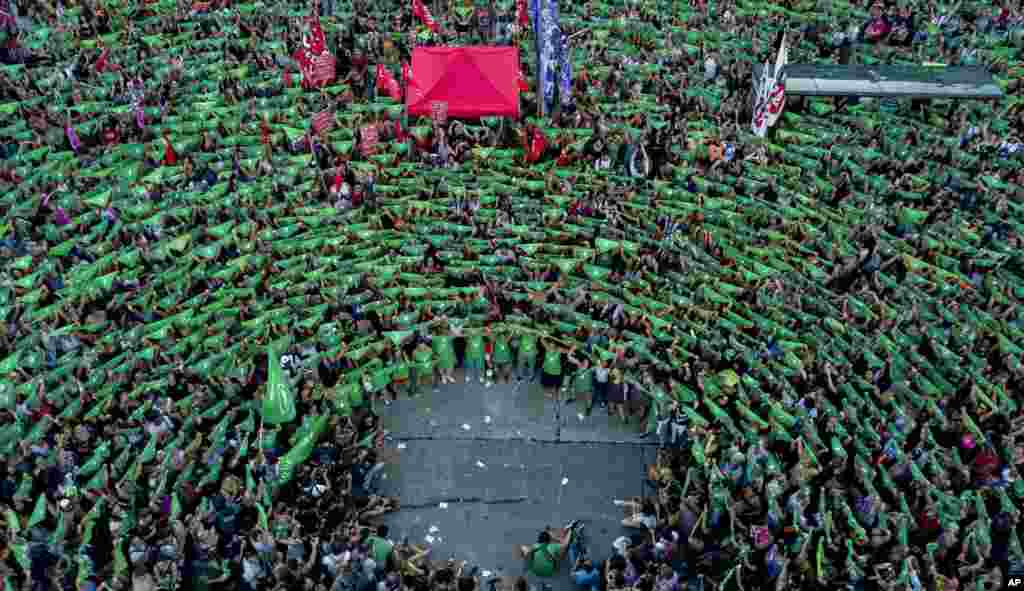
[[502, 352], [381, 378], [424, 360], [528, 346], [552, 362], [444, 350], [381, 549], [544, 559], [475, 348]]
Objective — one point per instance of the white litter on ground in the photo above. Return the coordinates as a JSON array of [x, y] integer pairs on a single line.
[[487, 419], [480, 464], [443, 505], [486, 573], [565, 481], [429, 539], [466, 427], [580, 416], [434, 529], [402, 446]]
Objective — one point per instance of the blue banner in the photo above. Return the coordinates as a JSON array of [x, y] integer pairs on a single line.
[[554, 64], [545, 28], [562, 56]]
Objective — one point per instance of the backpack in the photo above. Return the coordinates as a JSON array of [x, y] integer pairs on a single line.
[[542, 548]]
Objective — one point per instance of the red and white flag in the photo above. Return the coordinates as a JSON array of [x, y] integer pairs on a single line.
[[423, 13], [323, 121], [771, 93], [324, 69], [317, 64], [314, 39], [386, 81]]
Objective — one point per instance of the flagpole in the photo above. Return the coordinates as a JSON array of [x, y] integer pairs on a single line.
[[536, 43]]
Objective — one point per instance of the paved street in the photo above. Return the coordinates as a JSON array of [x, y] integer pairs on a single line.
[[482, 470]]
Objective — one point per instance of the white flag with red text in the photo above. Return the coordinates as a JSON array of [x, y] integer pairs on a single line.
[[770, 94]]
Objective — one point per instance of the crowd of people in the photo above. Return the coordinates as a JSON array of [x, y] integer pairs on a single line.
[[823, 327]]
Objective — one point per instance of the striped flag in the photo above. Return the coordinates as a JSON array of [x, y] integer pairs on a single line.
[[323, 121], [324, 69]]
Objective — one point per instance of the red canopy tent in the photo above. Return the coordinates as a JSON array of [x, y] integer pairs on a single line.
[[475, 81]]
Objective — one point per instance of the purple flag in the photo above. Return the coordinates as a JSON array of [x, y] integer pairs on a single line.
[[76, 144]]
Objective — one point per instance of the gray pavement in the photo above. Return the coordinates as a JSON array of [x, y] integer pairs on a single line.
[[483, 470]]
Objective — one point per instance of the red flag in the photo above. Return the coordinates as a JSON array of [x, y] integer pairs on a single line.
[[286, 78], [101, 63], [423, 13], [537, 146], [315, 62], [324, 120], [523, 85], [522, 16], [314, 39], [386, 81]]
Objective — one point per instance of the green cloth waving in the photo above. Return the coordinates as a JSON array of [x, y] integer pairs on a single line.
[[552, 362], [279, 400]]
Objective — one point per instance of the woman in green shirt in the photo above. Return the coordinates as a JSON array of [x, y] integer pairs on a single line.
[[423, 357], [475, 357], [444, 351], [583, 380], [400, 376], [502, 358], [527, 362], [552, 370]]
